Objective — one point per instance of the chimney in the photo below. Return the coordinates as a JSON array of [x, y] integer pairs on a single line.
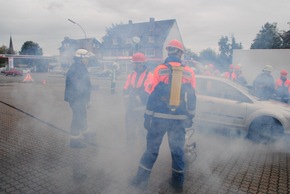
[[151, 24]]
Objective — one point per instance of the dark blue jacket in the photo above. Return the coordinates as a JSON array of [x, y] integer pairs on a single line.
[[77, 84]]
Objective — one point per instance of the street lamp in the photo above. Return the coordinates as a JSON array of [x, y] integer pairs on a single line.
[[79, 26]]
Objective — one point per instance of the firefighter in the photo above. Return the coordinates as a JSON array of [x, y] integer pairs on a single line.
[[77, 94], [170, 108], [239, 78], [231, 73], [282, 87], [136, 94], [264, 84]]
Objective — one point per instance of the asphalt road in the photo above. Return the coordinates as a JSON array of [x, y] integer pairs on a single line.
[[35, 156]]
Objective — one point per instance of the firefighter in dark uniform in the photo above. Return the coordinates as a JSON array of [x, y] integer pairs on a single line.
[[136, 92], [77, 94], [170, 108]]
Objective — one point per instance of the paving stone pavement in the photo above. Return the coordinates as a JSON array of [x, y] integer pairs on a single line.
[[35, 156]]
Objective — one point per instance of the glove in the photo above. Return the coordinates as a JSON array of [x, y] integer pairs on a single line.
[[147, 121]]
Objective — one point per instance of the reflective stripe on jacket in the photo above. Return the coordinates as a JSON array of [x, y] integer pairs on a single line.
[[136, 87], [279, 83]]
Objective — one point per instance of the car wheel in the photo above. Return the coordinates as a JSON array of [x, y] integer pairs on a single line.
[[265, 130]]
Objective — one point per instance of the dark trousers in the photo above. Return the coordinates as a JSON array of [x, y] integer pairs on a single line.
[[134, 125], [79, 117], [176, 138]]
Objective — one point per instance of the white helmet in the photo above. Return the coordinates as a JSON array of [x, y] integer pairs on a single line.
[[83, 53]]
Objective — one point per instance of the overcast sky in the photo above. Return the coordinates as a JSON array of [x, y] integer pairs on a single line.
[[201, 22]]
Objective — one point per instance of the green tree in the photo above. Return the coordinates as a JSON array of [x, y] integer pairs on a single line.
[[285, 36], [189, 55], [30, 48], [226, 48], [208, 56], [267, 38], [3, 50]]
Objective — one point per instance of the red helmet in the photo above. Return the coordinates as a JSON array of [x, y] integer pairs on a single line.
[[211, 66], [237, 68], [231, 66], [283, 73], [175, 44], [138, 57]]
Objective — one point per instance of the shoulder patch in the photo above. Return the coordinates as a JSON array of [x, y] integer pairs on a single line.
[[164, 71]]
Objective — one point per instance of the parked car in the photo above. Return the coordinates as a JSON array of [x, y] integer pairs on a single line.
[[13, 72], [225, 105]]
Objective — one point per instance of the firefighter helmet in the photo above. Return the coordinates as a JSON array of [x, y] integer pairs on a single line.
[[268, 68], [138, 58], [283, 73], [174, 45], [83, 53], [238, 67]]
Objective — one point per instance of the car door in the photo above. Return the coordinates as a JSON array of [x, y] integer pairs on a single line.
[[220, 105]]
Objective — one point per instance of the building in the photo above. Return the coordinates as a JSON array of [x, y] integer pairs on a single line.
[[123, 40], [69, 47]]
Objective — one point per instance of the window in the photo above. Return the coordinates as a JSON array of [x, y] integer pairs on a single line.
[[151, 39], [128, 40], [66, 45], [149, 52], [126, 53]]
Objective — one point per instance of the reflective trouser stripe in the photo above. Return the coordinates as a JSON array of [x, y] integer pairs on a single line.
[[165, 116], [169, 116], [148, 112], [141, 166], [178, 171]]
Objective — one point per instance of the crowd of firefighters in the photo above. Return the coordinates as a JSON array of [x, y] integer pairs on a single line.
[[162, 101], [264, 85]]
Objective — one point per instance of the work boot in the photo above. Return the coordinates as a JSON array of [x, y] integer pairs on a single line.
[[141, 179], [177, 188], [77, 141]]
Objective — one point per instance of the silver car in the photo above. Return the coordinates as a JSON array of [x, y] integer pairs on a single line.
[[227, 106]]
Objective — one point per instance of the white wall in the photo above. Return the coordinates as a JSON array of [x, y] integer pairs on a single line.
[[254, 60]]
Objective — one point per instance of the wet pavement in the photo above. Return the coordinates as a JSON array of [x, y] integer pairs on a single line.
[[35, 156]]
